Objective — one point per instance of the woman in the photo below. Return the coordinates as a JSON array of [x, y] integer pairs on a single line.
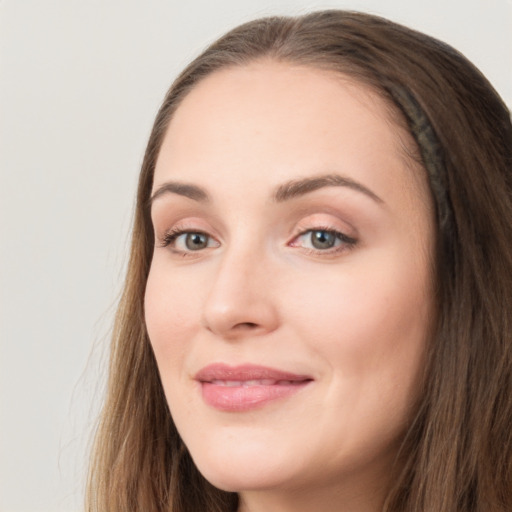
[[317, 308]]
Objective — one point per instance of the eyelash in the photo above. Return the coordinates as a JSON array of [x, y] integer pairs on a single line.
[[172, 235], [347, 242]]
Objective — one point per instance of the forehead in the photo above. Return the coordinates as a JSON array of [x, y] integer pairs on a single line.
[[296, 119]]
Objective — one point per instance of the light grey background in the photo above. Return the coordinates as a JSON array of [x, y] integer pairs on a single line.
[[80, 83]]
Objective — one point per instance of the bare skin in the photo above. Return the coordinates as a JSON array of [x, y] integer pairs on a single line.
[[301, 242]]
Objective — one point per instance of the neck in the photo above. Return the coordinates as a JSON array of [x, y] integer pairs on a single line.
[[327, 497]]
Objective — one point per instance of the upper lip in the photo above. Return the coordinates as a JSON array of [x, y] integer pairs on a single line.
[[246, 372]]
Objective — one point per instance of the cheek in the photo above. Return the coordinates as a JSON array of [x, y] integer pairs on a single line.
[[369, 326], [370, 321], [171, 314]]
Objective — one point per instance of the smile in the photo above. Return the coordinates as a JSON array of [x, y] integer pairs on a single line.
[[249, 383], [247, 387]]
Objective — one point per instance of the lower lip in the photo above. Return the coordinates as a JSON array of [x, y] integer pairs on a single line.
[[245, 398]]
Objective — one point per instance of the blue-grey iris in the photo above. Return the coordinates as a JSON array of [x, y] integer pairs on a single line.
[[196, 241], [322, 239]]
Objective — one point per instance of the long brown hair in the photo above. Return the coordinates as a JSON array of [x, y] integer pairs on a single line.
[[457, 453]]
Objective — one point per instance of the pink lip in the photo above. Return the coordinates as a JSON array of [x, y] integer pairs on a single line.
[[246, 387]]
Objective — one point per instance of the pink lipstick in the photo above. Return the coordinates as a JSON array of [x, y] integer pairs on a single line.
[[246, 387]]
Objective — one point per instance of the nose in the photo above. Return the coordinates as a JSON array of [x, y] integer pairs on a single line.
[[240, 301]]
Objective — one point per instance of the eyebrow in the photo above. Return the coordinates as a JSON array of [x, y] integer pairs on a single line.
[[284, 192], [182, 189], [295, 188]]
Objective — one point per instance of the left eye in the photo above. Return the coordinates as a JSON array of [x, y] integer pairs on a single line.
[[186, 241], [195, 241], [323, 239]]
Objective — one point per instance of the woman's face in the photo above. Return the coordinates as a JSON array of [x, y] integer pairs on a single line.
[[289, 295]]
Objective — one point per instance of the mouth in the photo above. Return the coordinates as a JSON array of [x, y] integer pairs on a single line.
[[254, 382], [247, 387]]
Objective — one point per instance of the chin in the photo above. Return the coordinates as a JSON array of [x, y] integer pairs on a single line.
[[235, 474]]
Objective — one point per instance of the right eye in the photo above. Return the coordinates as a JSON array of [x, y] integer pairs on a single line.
[[188, 241]]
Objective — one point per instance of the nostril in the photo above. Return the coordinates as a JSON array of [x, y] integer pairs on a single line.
[[246, 325]]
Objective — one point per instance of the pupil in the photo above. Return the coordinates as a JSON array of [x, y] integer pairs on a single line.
[[195, 241], [322, 239]]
